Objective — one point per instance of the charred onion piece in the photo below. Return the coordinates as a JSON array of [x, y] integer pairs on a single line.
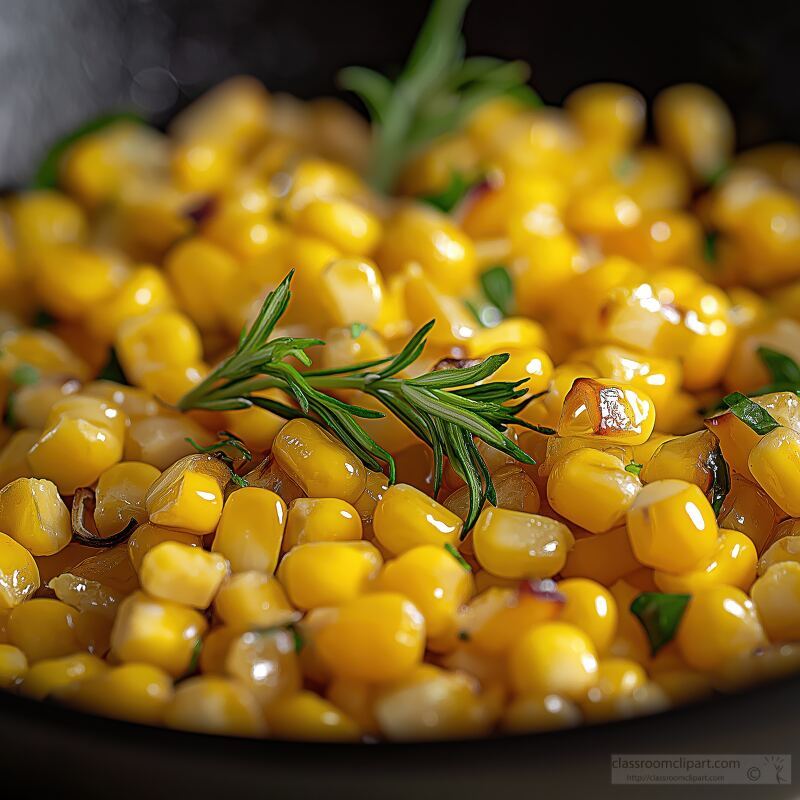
[[82, 502]]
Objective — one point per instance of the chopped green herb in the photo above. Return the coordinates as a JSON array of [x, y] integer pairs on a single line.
[[783, 369], [194, 661], [216, 449], [720, 479], [356, 329], [624, 167], [660, 615], [42, 319], [112, 370], [26, 375], [498, 286], [458, 557], [464, 636], [751, 413], [452, 194], [526, 96], [634, 468], [710, 247]]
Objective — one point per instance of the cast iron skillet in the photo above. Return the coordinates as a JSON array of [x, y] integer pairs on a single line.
[[64, 62]]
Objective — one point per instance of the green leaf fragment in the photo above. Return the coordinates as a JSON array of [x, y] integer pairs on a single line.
[[498, 286], [634, 468], [660, 615], [751, 413], [458, 557], [26, 375], [356, 329]]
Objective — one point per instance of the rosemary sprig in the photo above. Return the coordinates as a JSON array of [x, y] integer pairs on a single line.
[[445, 408], [436, 91]]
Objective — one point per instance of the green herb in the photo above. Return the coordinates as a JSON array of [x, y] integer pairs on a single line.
[[525, 96], [46, 176], [660, 615], [784, 370], [194, 661], [452, 194], [624, 167], [26, 375], [356, 329], [112, 370], [42, 319], [498, 286], [720, 479], [436, 91], [216, 449], [464, 636], [458, 557], [634, 468], [751, 413], [710, 247], [444, 408]]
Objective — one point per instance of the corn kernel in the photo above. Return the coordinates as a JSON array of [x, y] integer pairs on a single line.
[[608, 112], [536, 712], [776, 596], [120, 494], [322, 519], [309, 717], [161, 440], [604, 558], [33, 514], [19, 575], [617, 679], [785, 549], [183, 574], [43, 628], [351, 291], [345, 225], [590, 607], [774, 463], [253, 600], [50, 675]]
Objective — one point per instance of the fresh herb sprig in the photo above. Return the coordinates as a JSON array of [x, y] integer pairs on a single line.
[[436, 91], [444, 408]]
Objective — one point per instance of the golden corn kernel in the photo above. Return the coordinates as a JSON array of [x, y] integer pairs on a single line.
[[43, 628], [120, 494], [608, 112], [156, 632], [14, 455], [618, 679], [257, 427], [322, 519], [307, 716], [776, 596], [536, 712], [148, 536], [19, 575], [406, 518], [604, 558], [253, 600], [512, 333], [514, 488], [592, 608], [245, 234], [774, 463], [512, 544], [44, 218], [351, 291], [50, 675], [785, 549], [161, 440], [250, 530], [345, 225], [33, 514], [747, 508], [13, 665], [672, 526]]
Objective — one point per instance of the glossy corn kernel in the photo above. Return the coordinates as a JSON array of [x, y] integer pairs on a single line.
[[512, 544], [732, 563], [33, 514], [774, 463], [540, 712], [245, 234], [13, 666], [434, 581], [344, 224], [40, 349], [532, 365], [182, 574], [351, 291], [256, 427], [318, 462], [49, 675], [45, 217], [321, 574], [266, 662], [687, 458], [307, 716], [131, 692], [607, 411], [608, 112], [19, 575], [672, 526], [211, 704], [43, 628], [719, 623], [592, 608], [189, 495], [376, 637], [406, 518], [14, 455], [120, 494], [250, 530], [592, 489], [156, 632], [253, 600], [324, 519], [618, 679], [553, 658], [515, 491], [161, 440], [786, 548], [148, 536], [776, 596], [512, 333], [604, 558]]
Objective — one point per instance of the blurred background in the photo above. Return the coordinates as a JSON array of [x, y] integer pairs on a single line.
[[63, 61]]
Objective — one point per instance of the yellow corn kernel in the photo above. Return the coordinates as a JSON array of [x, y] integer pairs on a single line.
[[148, 536], [245, 234], [375, 486], [776, 596], [498, 616], [256, 427], [215, 649], [189, 495], [321, 519], [356, 699], [14, 455], [536, 712], [156, 632], [756, 666], [161, 440], [513, 333], [608, 112], [406, 518], [120, 494], [687, 458], [308, 717], [553, 658], [617, 679], [212, 704], [786, 548], [347, 226], [13, 666], [43, 628], [694, 123], [434, 581], [328, 573], [592, 489], [266, 662], [732, 563], [602, 209], [512, 544], [558, 447], [19, 575], [429, 238], [533, 365], [183, 574], [774, 463], [33, 514], [351, 291], [514, 488], [607, 411], [250, 530], [719, 624], [131, 692], [45, 217], [747, 508], [269, 475], [253, 600], [50, 675], [672, 526], [684, 685], [604, 558], [40, 349], [375, 637], [146, 290], [319, 463], [592, 608], [200, 272]]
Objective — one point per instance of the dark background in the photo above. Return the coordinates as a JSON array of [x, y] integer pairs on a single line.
[[62, 61]]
